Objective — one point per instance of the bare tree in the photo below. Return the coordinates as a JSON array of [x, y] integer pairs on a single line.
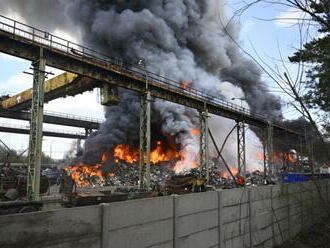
[[286, 82]]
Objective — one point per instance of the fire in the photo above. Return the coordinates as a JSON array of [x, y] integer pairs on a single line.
[[195, 131], [188, 160], [278, 157], [84, 174], [226, 174], [130, 154], [159, 154], [184, 84], [126, 153], [105, 156]]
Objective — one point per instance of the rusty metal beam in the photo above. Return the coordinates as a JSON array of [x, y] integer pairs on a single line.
[[65, 84], [63, 120], [58, 134]]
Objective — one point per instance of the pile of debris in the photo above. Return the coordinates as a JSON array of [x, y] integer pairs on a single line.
[[13, 183]]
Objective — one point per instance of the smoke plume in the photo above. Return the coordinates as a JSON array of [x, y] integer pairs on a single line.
[[178, 39]]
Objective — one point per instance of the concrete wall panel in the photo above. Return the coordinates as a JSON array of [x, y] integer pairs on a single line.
[[198, 202], [235, 229], [145, 235], [193, 223], [127, 213], [234, 197], [234, 213], [52, 228], [204, 239], [260, 193]]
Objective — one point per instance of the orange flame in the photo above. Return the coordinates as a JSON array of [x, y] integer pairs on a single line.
[[188, 160], [184, 84], [226, 174], [277, 157], [195, 131], [159, 154], [105, 156], [126, 153], [82, 174], [130, 154]]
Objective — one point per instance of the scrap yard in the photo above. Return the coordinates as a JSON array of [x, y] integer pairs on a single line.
[[193, 149]]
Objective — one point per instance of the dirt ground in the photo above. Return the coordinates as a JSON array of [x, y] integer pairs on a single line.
[[317, 236]]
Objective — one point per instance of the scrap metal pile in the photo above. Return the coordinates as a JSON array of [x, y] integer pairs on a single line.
[[122, 174], [13, 183]]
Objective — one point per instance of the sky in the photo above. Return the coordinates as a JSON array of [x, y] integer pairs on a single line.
[[270, 38]]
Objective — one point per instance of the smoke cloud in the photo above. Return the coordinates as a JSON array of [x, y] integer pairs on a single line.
[[179, 39]]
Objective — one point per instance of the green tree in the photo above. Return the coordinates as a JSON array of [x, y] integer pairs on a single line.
[[316, 53]]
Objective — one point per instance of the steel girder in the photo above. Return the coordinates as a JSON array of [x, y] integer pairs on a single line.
[[35, 142]]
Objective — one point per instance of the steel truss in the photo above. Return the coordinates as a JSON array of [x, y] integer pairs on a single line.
[[35, 142], [241, 158], [270, 148], [204, 145], [144, 160]]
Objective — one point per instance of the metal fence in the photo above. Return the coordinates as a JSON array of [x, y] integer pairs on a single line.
[[73, 116]]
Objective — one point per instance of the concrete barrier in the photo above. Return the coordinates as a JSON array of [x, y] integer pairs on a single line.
[[245, 217]]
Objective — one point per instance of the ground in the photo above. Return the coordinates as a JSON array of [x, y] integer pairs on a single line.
[[317, 236]]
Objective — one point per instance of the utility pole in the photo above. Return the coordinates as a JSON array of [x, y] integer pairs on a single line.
[[35, 143]]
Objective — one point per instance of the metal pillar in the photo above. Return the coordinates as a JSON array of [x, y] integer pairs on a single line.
[[78, 146], [88, 131], [241, 149], [204, 145], [270, 148], [144, 177], [35, 143]]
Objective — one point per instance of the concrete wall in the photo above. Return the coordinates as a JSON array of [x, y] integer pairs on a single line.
[[245, 217]]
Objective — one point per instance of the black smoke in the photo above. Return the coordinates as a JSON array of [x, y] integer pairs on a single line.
[[179, 39]]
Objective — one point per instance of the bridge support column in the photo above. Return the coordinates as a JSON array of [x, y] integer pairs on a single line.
[[241, 158], [144, 160], [88, 132], [270, 149], [35, 142], [78, 146], [204, 145]]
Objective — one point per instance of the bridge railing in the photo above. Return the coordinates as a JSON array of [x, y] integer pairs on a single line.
[[53, 41], [73, 116]]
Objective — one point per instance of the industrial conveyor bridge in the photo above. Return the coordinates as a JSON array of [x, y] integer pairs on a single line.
[[20, 40]]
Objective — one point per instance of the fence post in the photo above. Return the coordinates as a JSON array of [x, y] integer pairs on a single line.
[[175, 222], [250, 217], [272, 212], [105, 214], [220, 220]]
